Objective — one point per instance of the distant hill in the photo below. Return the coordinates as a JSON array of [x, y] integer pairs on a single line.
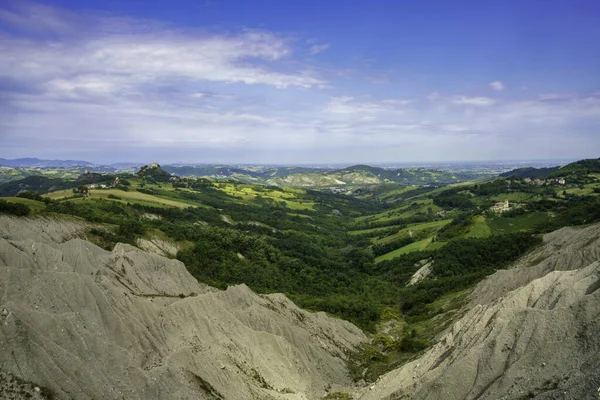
[[36, 162], [15, 173], [241, 173], [125, 165], [530, 172], [588, 166], [367, 175]]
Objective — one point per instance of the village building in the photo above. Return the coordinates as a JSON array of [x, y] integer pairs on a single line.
[[550, 181], [500, 207]]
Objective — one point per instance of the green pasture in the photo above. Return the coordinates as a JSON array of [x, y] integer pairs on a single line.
[[499, 225]]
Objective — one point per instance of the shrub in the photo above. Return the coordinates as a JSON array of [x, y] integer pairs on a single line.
[[30, 194], [14, 208]]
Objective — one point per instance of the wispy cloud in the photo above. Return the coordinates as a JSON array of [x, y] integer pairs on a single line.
[[90, 52], [497, 85], [350, 105], [147, 58], [474, 101]]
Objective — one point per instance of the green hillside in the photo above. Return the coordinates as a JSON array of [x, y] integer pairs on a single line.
[[39, 184], [367, 175], [530, 172], [581, 167]]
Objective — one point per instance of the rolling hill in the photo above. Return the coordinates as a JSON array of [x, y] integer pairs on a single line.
[[367, 175], [530, 172]]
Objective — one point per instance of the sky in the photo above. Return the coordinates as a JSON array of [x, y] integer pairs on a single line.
[[299, 81]]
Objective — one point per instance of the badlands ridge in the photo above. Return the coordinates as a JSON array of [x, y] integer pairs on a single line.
[[80, 322]]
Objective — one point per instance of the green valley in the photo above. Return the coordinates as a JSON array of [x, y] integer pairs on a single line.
[[352, 254]]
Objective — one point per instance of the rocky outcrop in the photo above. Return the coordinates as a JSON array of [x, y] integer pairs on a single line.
[[529, 332], [85, 323], [422, 273]]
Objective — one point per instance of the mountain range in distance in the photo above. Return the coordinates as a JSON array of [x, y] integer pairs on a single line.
[[37, 163], [32, 162], [306, 176]]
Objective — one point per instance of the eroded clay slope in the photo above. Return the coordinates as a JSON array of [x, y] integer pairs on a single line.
[[87, 323], [530, 332]]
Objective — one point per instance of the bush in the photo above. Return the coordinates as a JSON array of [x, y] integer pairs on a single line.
[[458, 227], [450, 198], [131, 228], [14, 208], [30, 194]]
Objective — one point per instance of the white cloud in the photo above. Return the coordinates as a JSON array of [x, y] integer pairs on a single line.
[[180, 125], [347, 105], [397, 102], [497, 85], [474, 101], [318, 48], [138, 52], [148, 58]]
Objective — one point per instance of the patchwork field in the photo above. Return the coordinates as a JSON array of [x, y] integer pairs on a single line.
[[404, 211], [125, 197], [513, 196], [290, 196], [523, 222], [480, 228], [416, 228], [416, 246]]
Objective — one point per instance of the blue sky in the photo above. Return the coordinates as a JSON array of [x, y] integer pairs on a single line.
[[300, 81]]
